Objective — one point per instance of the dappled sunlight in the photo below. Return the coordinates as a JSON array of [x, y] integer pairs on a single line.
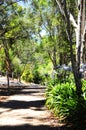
[[32, 116], [25, 98], [26, 110], [22, 116], [25, 107], [3, 110]]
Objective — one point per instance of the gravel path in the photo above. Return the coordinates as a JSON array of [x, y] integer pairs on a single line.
[[26, 110]]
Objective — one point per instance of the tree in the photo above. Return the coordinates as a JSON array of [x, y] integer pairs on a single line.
[[10, 29], [79, 28], [48, 19]]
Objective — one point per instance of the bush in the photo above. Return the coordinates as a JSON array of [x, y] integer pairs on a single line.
[[37, 77], [27, 74], [63, 101], [32, 75]]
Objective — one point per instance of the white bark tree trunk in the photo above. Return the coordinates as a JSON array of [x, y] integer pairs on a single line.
[[83, 32], [80, 32], [80, 29], [79, 26], [78, 35]]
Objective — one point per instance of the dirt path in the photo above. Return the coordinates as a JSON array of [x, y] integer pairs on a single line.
[[25, 110]]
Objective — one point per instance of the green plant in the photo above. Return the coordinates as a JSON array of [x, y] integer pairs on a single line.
[[27, 74], [37, 77], [84, 88], [63, 101]]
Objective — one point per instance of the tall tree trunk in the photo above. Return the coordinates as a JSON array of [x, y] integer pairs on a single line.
[[7, 59], [75, 64], [83, 32], [68, 18], [79, 33], [8, 64], [52, 56]]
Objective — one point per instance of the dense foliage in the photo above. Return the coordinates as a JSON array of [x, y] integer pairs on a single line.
[[63, 101]]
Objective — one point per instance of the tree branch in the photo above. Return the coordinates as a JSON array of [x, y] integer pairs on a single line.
[[72, 20], [60, 7], [84, 33], [9, 4]]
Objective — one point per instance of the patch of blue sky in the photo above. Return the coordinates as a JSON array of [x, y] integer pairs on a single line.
[[23, 4]]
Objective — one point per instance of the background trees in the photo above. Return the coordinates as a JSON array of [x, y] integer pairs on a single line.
[[31, 24], [10, 29]]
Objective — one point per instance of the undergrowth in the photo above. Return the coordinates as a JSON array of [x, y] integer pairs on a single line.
[[63, 101]]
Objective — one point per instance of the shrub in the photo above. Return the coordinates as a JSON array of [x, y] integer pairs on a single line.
[[37, 77], [27, 74], [63, 101], [32, 75]]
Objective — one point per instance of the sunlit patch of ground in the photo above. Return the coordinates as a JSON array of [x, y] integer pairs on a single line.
[[26, 106], [23, 116]]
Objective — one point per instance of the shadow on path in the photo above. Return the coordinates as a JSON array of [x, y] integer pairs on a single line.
[[13, 104], [34, 104], [18, 90], [30, 127], [40, 127]]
